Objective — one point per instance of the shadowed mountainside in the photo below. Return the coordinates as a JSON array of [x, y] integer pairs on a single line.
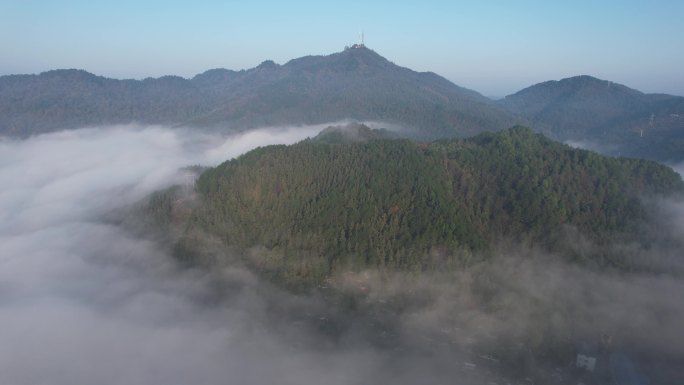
[[354, 84], [605, 116]]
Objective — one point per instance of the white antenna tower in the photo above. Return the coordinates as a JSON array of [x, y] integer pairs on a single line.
[[361, 38], [650, 123]]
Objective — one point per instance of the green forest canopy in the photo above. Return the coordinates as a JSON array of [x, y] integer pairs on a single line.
[[304, 211]]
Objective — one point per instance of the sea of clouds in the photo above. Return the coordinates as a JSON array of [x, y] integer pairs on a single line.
[[84, 301]]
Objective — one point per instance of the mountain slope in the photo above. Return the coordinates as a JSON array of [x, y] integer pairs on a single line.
[[356, 84], [62, 99], [611, 117], [361, 84], [305, 211]]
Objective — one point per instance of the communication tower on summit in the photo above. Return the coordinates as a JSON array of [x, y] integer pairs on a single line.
[[360, 44]]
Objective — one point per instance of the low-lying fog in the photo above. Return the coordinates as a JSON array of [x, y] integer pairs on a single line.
[[85, 302], [81, 302]]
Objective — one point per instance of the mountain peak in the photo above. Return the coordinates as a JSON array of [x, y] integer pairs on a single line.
[[360, 57], [584, 83], [576, 90], [71, 74], [351, 133], [356, 46], [350, 60], [356, 83], [360, 50], [588, 81], [612, 117], [268, 64]]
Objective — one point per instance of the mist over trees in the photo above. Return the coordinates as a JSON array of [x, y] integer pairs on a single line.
[[92, 273], [353, 256], [508, 245], [308, 210]]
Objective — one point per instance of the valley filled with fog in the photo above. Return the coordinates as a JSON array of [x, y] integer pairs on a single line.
[[84, 300]]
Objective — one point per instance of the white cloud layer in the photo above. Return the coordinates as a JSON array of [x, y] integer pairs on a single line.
[[83, 301]]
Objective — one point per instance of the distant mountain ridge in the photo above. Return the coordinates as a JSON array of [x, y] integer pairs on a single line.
[[611, 117], [356, 84]]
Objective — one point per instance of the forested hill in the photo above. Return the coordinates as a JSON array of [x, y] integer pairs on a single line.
[[607, 116], [303, 211], [356, 83]]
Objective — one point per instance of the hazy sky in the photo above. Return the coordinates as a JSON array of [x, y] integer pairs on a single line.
[[494, 47]]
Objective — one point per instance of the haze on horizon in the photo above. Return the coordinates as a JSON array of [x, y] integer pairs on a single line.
[[495, 48]]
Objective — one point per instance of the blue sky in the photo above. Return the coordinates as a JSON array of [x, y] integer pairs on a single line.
[[493, 47]]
